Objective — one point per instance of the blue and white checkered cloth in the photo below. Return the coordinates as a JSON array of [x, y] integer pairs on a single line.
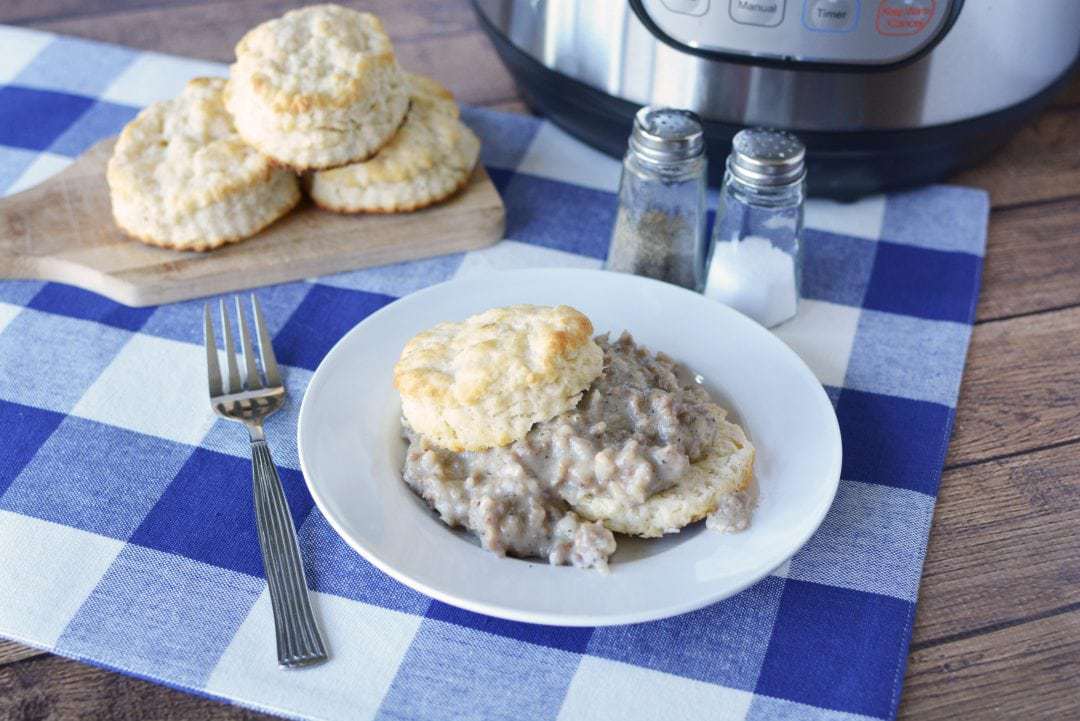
[[126, 524]]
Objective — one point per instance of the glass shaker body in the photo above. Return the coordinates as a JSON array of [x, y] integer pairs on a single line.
[[660, 223], [754, 261]]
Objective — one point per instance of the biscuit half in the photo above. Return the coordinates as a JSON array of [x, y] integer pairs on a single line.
[[485, 381], [724, 476], [430, 158], [181, 177], [317, 87]]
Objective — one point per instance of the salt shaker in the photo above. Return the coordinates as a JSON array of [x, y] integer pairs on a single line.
[[755, 260], [660, 225]]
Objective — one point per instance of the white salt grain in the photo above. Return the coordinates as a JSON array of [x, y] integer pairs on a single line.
[[754, 277]]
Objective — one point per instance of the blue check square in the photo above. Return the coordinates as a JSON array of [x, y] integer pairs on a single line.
[[183, 321], [723, 643], [333, 567], [13, 163], [106, 486], [78, 303], [836, 268], [566, 638], [325, 314], [941, 217], [872, 539], [934, 284], [557, 215], [825, 649], [895, 441], [34, 119], [24, 429], [501, 178], [398, 279], [50, 361], [454, 672], [17, 292], [158, 611], [76, 66], [506, 137], [208, 513], [101, 120], [900, 355]]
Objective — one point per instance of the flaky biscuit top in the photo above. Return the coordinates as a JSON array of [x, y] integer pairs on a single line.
[[431, 130], [495, 353], [185, 151], [320, 56]]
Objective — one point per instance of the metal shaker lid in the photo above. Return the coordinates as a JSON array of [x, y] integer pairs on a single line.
[[766, 157], [667, 135]]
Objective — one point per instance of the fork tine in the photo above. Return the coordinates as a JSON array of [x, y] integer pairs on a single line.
[[252, 381], [213, 370], [232, 382], [266, 347]]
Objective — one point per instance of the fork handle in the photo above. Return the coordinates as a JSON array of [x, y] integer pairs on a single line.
[[298, 640]]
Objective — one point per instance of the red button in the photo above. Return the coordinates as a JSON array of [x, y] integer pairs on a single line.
[[904, 17]]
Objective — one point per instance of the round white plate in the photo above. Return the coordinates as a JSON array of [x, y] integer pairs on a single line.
[[351, 454]]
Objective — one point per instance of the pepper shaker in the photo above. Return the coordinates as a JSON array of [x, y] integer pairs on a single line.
[[755, 260], [660, 225]]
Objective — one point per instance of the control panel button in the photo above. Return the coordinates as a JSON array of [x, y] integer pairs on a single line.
[[767, 13], [904, 17], [687, 7], [836, 16]]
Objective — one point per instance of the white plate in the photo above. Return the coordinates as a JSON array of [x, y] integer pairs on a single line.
[[351, 455]]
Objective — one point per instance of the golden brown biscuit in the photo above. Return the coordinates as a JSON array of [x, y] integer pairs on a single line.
[[317, 87], [181, 177], [429, 159], [485, 381]]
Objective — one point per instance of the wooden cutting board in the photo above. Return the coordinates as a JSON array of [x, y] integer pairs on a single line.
[[62, 230]]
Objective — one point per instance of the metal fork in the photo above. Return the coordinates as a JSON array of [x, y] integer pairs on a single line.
[[250, 401]]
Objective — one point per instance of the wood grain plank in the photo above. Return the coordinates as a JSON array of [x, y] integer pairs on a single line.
[[1021, 389], [1003, 544], [1023, 672], [466, 64], [1070, 94], [11, 651], [1041, 163], [210, 30], [436, 39], [28, 12], [1032, 259], [51, 687]]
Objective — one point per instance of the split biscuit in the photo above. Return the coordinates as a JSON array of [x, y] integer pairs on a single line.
[[721, 480], [431, 158], [317, 87], [181, 177]]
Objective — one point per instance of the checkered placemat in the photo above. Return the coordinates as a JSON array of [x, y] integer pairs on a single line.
[[126, 524]]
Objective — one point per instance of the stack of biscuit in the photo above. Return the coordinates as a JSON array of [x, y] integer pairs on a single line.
[[316, 92]]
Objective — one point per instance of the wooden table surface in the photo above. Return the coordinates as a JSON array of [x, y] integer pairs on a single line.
[[997, 633]]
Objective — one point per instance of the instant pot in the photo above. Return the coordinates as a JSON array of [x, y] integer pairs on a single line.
[[885, 93]]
